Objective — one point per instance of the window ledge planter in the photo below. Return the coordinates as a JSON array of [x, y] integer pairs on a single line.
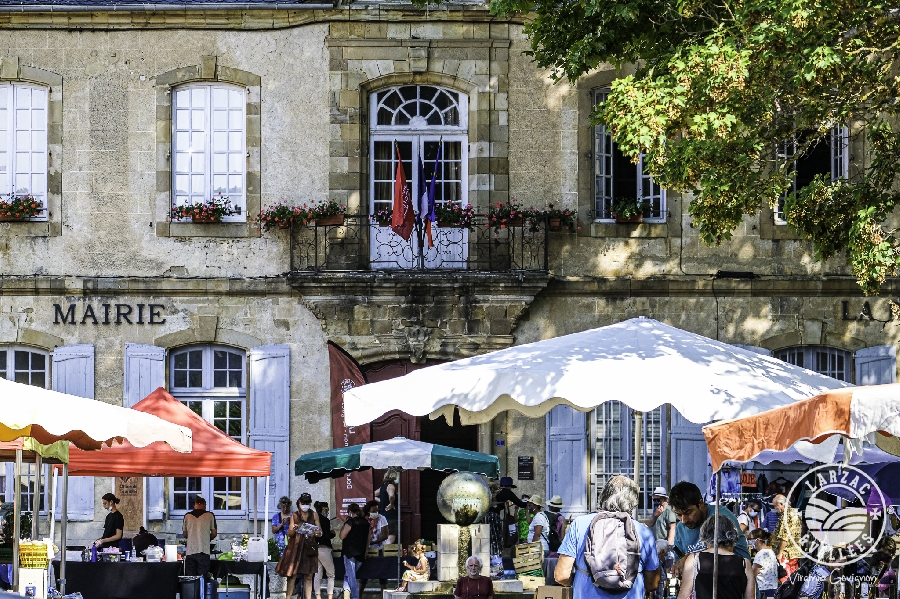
[[327, 221], [13, 219], [634, 219], [207, 219]]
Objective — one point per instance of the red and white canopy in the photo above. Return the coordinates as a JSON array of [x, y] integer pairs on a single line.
[[852, 412]]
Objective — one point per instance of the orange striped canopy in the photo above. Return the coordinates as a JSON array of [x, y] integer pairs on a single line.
[[852, 412]]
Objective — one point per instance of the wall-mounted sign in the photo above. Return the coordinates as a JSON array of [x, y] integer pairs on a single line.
[[526, 467], [108, 314]]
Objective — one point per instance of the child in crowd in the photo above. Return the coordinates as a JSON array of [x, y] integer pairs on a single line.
[[765, 564], [421, 571]]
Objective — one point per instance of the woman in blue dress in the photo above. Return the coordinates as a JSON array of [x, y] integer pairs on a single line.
[[280, 522]]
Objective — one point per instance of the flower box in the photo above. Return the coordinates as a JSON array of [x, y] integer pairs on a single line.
[[11, 219], [554, 224], [515, 222], [444, 224], [384, 222], [205, 219], [630, 220], [328, 221]]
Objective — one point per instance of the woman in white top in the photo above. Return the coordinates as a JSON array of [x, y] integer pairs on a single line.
[[540, 526], [765, 565]]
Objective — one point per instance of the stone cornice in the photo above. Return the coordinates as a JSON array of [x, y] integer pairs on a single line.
[[244, 20], [143, 286]]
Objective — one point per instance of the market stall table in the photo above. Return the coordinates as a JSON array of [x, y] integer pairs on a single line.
[[123, 580], [222, 568]]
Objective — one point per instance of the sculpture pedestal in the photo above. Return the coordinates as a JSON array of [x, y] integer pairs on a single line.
[[451, 553]]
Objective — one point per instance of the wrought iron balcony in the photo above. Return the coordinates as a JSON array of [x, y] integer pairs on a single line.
[[362, 245]]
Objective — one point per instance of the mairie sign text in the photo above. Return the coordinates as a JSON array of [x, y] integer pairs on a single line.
[[108, 314]]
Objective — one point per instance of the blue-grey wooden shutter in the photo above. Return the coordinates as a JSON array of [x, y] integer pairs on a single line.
[[567, 454], [270, 399], [876, 365], [145, 371], [73, 373], [690, 458]]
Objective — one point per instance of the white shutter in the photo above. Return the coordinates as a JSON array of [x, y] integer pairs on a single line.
[[270, 397], [6, 140], [229, 158], [690, 460], [191, 160], [876, 365], [30, 131], [73, 373], [567, 457], [145, 371]]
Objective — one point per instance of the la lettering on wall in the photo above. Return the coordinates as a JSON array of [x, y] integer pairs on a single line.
[[109, 314]]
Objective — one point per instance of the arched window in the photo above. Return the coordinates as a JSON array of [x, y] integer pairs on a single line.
[[209, 155], [824, 360], [211, 381], [417, 120]]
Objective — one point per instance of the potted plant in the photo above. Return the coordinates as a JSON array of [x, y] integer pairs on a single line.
[[383, 216], [18, 208], [452, 215], [629, 210], [210, 211], [557, 218], [281, 215], [502, 216], [327, 213]]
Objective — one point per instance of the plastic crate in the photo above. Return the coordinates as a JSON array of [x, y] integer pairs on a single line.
[[33, 555]]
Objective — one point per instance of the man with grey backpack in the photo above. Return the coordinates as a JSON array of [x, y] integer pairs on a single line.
[[609, 554]]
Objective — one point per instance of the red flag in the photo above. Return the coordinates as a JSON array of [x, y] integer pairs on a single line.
[[403, 220], [355, 487]]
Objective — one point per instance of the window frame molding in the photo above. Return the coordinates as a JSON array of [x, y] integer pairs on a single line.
[[11, 71], [587, 88], [210, 394], [207, 72]]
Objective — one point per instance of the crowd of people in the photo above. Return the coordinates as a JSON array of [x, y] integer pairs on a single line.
[[756, 555]]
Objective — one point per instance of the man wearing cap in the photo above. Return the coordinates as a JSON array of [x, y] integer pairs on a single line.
[[199, 529], [663, 520], [539, 528]]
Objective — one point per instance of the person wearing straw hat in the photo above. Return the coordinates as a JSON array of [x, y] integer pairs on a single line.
[[557, 522], [539, 527]]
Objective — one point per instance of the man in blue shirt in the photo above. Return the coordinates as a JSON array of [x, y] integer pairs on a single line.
[[687, 501], [619, 495]]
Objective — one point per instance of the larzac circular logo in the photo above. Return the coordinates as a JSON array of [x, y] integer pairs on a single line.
[[842, 504]]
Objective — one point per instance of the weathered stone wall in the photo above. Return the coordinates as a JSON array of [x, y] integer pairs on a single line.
[[242, 316]]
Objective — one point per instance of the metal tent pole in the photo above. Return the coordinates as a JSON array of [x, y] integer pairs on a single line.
[[399, 537], [36, 498], [17, 515], [638, 442], [63, 521], [52, 509], [265, 577], [255, 506]]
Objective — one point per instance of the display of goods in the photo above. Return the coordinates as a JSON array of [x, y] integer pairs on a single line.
[[33, 555]]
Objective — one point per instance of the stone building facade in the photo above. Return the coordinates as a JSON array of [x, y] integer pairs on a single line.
[[104, 285]]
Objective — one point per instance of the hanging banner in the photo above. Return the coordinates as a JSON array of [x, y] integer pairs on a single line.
[[130, 489], [355, 487]]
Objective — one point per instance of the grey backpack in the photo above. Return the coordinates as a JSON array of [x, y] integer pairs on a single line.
[[612, 551]]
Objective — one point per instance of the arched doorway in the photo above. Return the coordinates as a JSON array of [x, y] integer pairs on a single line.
[[418, 490]]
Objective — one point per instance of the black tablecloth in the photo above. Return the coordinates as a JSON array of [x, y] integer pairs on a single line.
[[124, 580]]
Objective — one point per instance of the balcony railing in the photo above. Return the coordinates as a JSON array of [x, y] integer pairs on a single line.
[[360, 244]]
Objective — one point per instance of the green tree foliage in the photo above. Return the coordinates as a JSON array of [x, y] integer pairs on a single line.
[[719, 84]]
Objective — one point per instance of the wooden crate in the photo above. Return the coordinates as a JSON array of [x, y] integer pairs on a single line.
[[531, 583], [392, 550], [372, 552], [523, 549], [529, 556]]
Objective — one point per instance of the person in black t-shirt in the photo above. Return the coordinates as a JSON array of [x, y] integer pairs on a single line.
[[114, 525], [355, 541]]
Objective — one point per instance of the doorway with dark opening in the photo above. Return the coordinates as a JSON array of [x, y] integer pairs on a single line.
[[418, 498]]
